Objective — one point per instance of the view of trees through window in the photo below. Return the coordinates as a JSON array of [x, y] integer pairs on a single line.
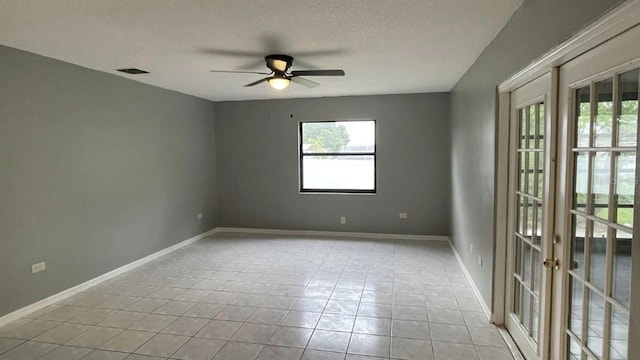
[[604, 172], [325, 137]]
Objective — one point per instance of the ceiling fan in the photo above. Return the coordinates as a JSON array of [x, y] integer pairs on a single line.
[[280, 75]]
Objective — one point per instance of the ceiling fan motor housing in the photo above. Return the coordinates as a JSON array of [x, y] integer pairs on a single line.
[[279, 63]]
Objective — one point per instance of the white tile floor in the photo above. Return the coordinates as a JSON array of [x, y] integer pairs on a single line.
[[237, 296]]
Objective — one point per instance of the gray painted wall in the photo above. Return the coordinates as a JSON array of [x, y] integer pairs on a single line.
[[96, 171], [536, 27], [257, 147]]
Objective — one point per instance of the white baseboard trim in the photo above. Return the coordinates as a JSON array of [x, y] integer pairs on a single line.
[[97, 280], [474, 288], [331, 234]]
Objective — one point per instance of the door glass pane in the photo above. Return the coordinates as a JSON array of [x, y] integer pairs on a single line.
[[527, 262], [619, 336], [531, 174], [604, 113], [575, 351], [539, 221], [522, 171], [518, 257], [575, 319], [583, 112], [622, 267], [528, 231], [522, 120], [625, 187], [628, 108], [522, 215], [533, 127], [595, 325], [540, 181], [542, 118], [534, 221], [516, 298], [536, 173], [579, 235], [601, 178], [535, 318], [581, 181], [536, 271], [526, 308], [598, 251]]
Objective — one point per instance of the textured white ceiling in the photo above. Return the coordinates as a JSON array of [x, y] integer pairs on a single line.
[[384, 46]]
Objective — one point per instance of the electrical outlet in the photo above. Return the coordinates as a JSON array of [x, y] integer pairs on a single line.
[[36, 268], [343, 220], [403, 216], [479, 261], [471, 249], [200, 215]]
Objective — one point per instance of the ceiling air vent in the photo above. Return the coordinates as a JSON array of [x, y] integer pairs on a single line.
[[133, 71]]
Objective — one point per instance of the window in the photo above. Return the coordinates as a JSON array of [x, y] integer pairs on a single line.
[[338, 156]]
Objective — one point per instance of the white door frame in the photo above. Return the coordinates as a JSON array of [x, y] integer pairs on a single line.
[[620, 19]]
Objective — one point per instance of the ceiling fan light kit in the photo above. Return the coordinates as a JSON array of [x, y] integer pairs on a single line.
[[279, 83], [280, 76]]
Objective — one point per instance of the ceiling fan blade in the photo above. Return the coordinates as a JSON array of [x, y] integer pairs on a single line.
[[317, 73], [257, 82], [304, 82], [239, 72]]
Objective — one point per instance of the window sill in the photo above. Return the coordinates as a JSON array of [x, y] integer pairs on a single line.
[[334, 193]]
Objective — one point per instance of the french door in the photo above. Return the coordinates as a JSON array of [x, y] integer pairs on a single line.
[[572, 228], [598, 103], [530, 219]]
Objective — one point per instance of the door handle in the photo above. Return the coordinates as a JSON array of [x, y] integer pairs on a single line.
[[552, 263]]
